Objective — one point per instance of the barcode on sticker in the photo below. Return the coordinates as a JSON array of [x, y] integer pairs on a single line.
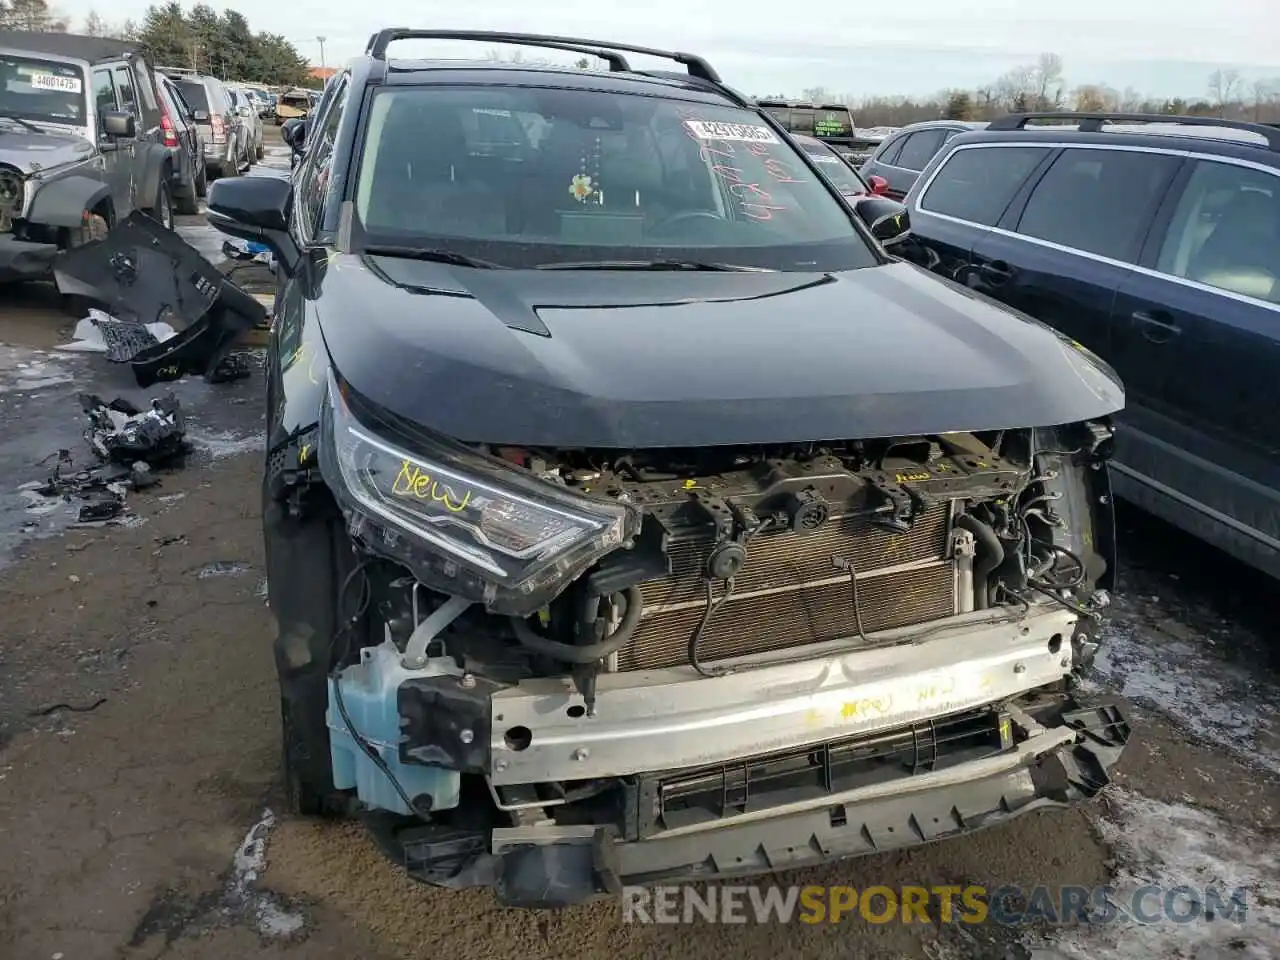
[[50, 81], [715, 130]]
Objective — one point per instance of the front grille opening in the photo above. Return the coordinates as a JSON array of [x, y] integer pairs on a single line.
[[772, 780]]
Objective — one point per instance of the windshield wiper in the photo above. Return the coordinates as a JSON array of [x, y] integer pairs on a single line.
[[23, 123], [652, 265], [432, 254]]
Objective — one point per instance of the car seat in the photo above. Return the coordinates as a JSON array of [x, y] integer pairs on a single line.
[[422, 178], [1242, 254]]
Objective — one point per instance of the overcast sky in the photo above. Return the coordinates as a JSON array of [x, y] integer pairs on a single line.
[[1161, 47]]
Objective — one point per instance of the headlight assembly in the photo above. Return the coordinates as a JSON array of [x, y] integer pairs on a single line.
[[464, 523]]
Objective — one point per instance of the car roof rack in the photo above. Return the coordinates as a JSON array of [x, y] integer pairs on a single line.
[[1092, 122], [611, 53]]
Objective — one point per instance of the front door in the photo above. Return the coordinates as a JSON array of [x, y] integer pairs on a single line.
[[128, 155], [116, 169]]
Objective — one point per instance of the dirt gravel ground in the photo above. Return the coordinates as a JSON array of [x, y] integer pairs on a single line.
[[141, 804]]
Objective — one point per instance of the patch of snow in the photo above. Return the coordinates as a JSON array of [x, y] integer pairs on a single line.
[[222, 568], [226, 443], [1179, 670], [269, 915], [1184, 849]]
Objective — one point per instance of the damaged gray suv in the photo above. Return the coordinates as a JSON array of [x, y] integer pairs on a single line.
[[79, 146], [630, 515]]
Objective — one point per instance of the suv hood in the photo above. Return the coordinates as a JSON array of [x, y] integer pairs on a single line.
[[34, 152], [630, 359]]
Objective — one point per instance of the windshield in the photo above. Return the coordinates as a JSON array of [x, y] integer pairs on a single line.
[[833, 166], [530, 176], [194, 93], [36, 89]]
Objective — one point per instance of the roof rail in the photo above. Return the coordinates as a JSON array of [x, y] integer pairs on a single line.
[[607, 51], [177, 71], [1092, 122]]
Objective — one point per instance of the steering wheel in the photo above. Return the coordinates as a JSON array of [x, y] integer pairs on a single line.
[[676, 218]]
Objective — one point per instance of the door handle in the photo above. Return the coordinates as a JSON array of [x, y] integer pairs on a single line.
[[1157, 326], [996, 272]]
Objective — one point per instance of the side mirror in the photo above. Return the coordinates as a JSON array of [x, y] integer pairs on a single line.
[[257, 209], [245, 112], [879, 185], [200, 116], [886, 219], [118, 124]]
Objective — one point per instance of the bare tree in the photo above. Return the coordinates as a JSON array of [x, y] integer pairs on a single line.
[[94, 25], [1224, 86], [1016, 88], [1263, 92], [1047, 78]]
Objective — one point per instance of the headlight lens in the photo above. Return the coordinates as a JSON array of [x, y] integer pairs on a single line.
[[464, 523]]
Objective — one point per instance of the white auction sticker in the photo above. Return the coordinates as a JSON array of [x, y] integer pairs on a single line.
[[817, 159], [49, 81], [715, 130]]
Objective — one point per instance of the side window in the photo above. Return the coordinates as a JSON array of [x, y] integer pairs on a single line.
[[124, 88], [1098, 201], [104, 93], [919, 149], [1225, 231], [889, 152], [179, 100], [145, 85], [313, 187], [976, 184]]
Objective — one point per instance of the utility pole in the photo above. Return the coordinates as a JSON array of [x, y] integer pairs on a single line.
[[323, 65]]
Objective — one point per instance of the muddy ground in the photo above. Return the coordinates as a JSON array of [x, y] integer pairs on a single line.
[[140, 795]]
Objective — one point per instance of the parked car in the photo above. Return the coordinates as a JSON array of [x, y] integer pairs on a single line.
[[252, 125], [295, 103], [901, 157], [1155, 242], [610, 484], [182, 138], [80, 145], [221, 127], [838, 169]]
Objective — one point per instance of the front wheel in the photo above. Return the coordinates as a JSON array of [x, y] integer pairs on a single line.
[[202, 179]]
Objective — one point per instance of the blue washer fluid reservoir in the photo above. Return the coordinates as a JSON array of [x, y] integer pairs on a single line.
[[369, 694]]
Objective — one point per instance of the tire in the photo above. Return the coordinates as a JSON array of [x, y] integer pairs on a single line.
[[304, 797], [202, 180], [162, 208], [188, 201], [262, 151]]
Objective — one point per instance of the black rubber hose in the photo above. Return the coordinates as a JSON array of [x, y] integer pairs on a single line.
[[586, 653], [990, 554]]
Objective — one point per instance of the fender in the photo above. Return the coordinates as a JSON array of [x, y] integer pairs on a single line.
[[62, 203], [149, 181]]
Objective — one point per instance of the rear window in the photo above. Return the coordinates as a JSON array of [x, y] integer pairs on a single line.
[[529, 176], [1099, 201], [834, 167], [298, 101], [976, 184], [194, 93]]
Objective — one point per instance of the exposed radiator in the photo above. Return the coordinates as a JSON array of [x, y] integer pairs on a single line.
[[790, 594]]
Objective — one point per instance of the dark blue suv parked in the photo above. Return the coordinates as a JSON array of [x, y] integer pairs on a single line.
[[1155, 242]]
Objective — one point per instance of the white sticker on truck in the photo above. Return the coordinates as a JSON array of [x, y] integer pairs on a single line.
[[715, 130], [50, 81]]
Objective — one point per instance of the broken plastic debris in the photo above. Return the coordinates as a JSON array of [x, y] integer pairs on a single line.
[[120, 340], [120, 432]]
